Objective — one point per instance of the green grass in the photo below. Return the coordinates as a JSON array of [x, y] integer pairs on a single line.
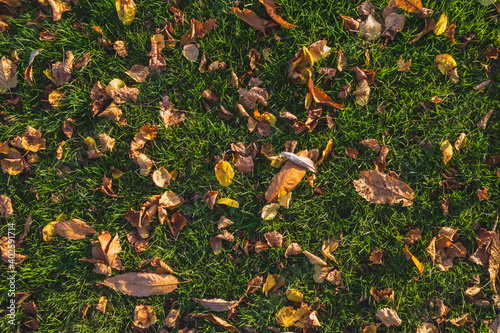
[[62, 285]]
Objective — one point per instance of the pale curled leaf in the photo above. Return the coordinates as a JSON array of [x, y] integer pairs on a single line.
[[389, 317], [74, 229], [301, 160], [216, 320], [380, 188], [216, 304]]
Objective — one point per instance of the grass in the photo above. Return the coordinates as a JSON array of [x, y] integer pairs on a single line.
[[63, 286]]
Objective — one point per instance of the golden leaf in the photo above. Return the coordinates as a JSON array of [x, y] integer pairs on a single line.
[[224, 173], [413, 6], [417, 263], [269, 284], [286, 316], [228, 202], [126, 11], [270, 211], [447, 150], [441, 24], [294, 295], [48, 231]]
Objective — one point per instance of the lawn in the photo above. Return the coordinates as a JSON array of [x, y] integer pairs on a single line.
[[65, 289]]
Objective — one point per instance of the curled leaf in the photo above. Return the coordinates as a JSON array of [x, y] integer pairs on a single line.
[[126, 11]]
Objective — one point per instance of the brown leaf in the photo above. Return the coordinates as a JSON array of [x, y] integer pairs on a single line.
[[172, 319], [32, 140], [402, 65], [125, 94], [120, 48], [161, 177], [494, 261], [376, 256], [413, 236], [482, 123], [172, 117], [482, 194], [389, 317], [271, 10], [442, 308], [254, 284], [436, 100], [101, 306], [251, 18], [315, 260], [144, 317], [274, 239], [216, 320], [380, 188], [460, 321], [366, 8], [352, 153], [157, 63], [58, 7], [82, 62], [28, 73], [179, 16], [320, 97], [310, 123], [372, 144], [249, 98], [492, 53], [350, 24], [197, 30], [176, 223], [142, 284], [362, 94], [74, 229], [5, 246], [140, 244], [224, 222], [5, 206], [61, 71], [386, 294], [346, 90], [292, 250], [106, 187], [138, 72], [430, 24], [190, 52], [68, 127], [216, 304], [216, 242], [105, 254], [210, 198]]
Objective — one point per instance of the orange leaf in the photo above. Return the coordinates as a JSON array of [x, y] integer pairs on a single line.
[[320, 97], [271, 10]]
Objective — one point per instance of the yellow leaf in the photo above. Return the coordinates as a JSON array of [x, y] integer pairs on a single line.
[[445, 63], [224, 173], [294, 295], [174, 174], [413, 6], [308, 56], [269, 284], [286, 316], [461, 141], [447, 150], [48, 74], [228, 202], [126, 11], [441, 24], [48, 231], [113, 85], [269, 211], [326, 152], [417, 263], [284, 198]]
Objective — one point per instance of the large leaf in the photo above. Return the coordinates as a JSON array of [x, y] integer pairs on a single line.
[[216, 304], [380, 188], [286, 180], [142, 284], [8, 78], [126, 11], [74, 229]]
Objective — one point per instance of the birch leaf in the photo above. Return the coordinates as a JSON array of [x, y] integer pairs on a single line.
[[224, 173]]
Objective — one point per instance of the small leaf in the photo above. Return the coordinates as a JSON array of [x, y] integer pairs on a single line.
[[389, 317], [270, 211], [417, 263], [286, 316], [228, 202], [380, 188], [461, 141], [294, 295], [269, 284], [74, 229], [441, 24], [447, 150], [216, 320]]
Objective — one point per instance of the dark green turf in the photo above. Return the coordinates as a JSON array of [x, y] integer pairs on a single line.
[[62, 285]]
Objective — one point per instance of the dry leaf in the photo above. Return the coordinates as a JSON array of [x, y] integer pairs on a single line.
[[315, 260], [288, 177], [120, 48], [251, 18], [144, 317], [6, 252], [366, 8], [482, 123], [134, 238], [28, 73], [286, 316], [362, 94], [370, 28], [197, 30], [442, 308], [482, 194], [441, 24], [447, 150], [74, 229], [380, 188], [436, 100], [68, 127], [274, 239], [402, 65], [216, 242], [138, 72], [157, 63], [161, 177], [429, 26], [447, 65], [372, 144], [216, 304], [328, 247], [386, 294], [413, 6], [269, 284], [101, 305], [292, 250], [376, 256], [417, 263], [82, 62], [210, 198], [320, 97], [351, 152], [216, 320], [460, 321], [271, 10], [224, 173], [427, 328], [413, 236], [172, 319], [58, 7], [142, 284], [190, 52], [461, 141], [126, 11], [105, 253], [389, 317], [492, 53], [224, 222], [294, 295], [5, 206]]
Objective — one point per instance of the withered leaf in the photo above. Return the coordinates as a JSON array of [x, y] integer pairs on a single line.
[[58, 7], [172, 319], [430, 24], [387, 294], [271, 10], [216, 304], [74, 229], [216, 320], [254, 284], [190, 52], [351, 152], [140, 244], [389, 317], [162, 177], [362, 94], [380, 188], [157, 63], [376, 256], [372, 144], [210, 198], [366, 8], [315, 260], [4, 249], [101, 305], [251, 18], [142, 284], [138, 72], [82, 62], [216, 242], [274, 239], [144, 317], [68, 127], [320, 97], [224, 222], [370, 28], [32, 140], [172, 116], [292, 250], [482, 123], [8, 73], [106, 187], [413, 236], [5, 206], [28, 73], [105, 254], [460, 321]]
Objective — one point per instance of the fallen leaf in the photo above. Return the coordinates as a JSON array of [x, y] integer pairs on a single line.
[[82, 62], [362, 94], [482, 123], [179, 15], [101, 305], [6, 209], [120, 48], [216, 242], [380, 188], [417, 263], [288, 177], [292, 250], [429, 26], [126, 11], [461, 141], [144, 317], [224, 173], [328, 247], [350, 24], [351, 152], [161, 177], [427, 328], [269, 284], [270, 211], [386, 294], [436, 100], [172, 319], [370, 28], [6, 252], [271, 10], [286, 316], [482, 194], [216, 320], [376, 256], [74, 229], [492, 53], [251, 18], [28, 73], [413, 6], [138, 72], [58, 7], [442, 308], [389, 317], [274, 239], [190, 52], [197, 30], [172, 116], [216, 304], [134, 238], [372, 144], [413, 236], [366, 9], [315, 260], [224, 222], [460, 321], [157, 63], [48, 231], [68, 127], [142, 284], [447, 150], [402, 65], [320, 97], [447, 65], [254, 284], [441, 24]]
